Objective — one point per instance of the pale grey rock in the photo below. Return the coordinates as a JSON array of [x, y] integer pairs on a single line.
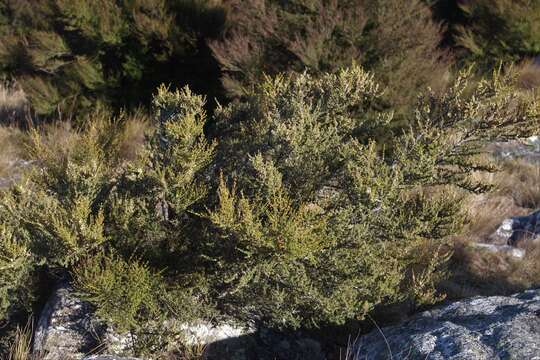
[[14, 169], [490, 328], [66, 329], [524, 149], [109, 357], [517, 230], [204, 332], [118, 343], [505, 249]]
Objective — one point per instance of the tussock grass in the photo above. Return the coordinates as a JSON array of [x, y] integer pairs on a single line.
[[13, 104], [21, 349], [128, 133], [11, 149], [521, 181]]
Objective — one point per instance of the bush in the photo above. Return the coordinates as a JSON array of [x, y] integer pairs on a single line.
[[499, 31], [69, 55], [316, 224], [87, 213], [312, 222], [395, 39]]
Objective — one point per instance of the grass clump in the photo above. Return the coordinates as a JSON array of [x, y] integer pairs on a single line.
[[13, 104]]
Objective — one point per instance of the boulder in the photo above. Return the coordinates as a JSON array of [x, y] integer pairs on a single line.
[[204, 332], [497, 327], [524, 149], [501, 249], [109, 357], [66, 329], [518, 230]]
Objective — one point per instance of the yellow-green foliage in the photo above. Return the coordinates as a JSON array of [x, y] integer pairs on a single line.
[[312, 220], [87, 212], [151, 206], [318, 225]]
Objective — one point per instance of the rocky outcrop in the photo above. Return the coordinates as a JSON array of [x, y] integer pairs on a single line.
[[500, 249], [524, 149], [490, 328], [66, 329]]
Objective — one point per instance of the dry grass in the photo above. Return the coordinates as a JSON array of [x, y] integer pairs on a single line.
[[480, 272], [11, 150], [21, 349], [133, 135], [125, 133], [486, 273], [521, 181], [528, 75], [14, 106]]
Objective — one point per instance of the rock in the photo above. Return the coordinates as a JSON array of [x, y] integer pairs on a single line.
[[14, 168], [66, 329], [204, 332], [505, 249], [497, 327], [266, 344], [524, 149], [109, 357], [517, 230]]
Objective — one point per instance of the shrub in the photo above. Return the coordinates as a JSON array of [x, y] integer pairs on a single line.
[[499, 31], [397, 40], [316, 223], [69, 55], [87, 213], [313, 221], [136, 300]]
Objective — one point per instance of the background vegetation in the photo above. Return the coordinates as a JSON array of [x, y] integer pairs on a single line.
[[283, 164]]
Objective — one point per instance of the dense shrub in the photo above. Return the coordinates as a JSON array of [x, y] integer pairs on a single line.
[[316, 225], [85, 213], [297, 218], [499, 31], [68, 55], [396, 39]]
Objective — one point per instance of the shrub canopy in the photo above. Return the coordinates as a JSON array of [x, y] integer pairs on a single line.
[[68, 55], [397, 40], [499, 31], [297, 218]]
